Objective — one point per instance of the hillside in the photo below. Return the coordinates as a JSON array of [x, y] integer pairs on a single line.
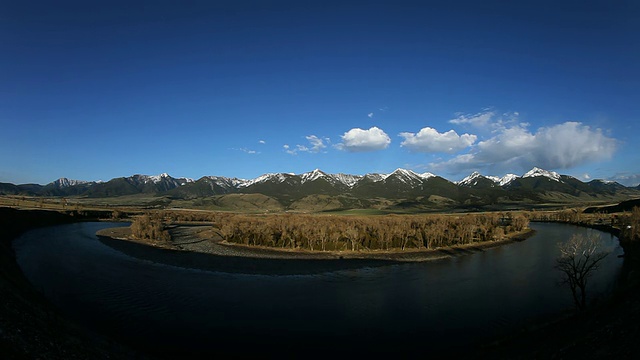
[[401, 190]]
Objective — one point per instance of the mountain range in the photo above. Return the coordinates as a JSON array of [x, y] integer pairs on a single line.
[[401, 188]]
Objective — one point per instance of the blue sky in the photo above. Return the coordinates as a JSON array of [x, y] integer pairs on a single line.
[[97, 90]]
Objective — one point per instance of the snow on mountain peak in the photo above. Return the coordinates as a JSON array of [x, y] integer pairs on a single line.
[[164, 177], [500, 181], [312, 175], [346, 179], [404, 175], [276, 177], [375, 177], [470, 180], [64, 182], [535, 172], [427, 175], [507, 179], [157, 178], [226, 183], [185, 181]]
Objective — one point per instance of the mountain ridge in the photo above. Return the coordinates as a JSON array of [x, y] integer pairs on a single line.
[[405, 187], [346, 179]]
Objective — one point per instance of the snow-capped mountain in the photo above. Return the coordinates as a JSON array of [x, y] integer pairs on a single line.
[[399, 184], [166, 177], [276, 178], [159, 179], [346, 179], [313, 175], [224, 182], [476, 179], [65, 187], [336, 179], [537, 172], [473, 179], [507, 179], [404, 176], [64, 182], [375, 177]]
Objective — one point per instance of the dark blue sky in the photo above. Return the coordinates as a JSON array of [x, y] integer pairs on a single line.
[[95, 90]]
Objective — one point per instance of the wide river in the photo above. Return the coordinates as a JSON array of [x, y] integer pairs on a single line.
[[442, 305]]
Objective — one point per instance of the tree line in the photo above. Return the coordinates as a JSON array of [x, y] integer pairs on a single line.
[[358, 233], [149, 226], [628, 222], [334, 232]]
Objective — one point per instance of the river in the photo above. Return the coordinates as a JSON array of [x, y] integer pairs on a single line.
[[445, 305]]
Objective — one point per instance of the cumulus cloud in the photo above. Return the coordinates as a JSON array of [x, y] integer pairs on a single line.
[[359, 140], [560, 146], [430, 140], [316, 144]]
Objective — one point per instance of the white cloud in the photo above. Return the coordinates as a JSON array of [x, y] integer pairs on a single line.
[[627, 179], [430, 140], [248, 151], [370, 115], [457, 164], [479, 119], [570, 144], [488, 120], [560, 146], [316, 145], [359, 140], [262, 142], [288, 149]]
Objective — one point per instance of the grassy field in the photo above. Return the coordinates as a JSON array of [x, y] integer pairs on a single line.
[[261, 204]]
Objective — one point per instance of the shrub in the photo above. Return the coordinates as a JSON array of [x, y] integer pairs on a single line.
[[150, 227]]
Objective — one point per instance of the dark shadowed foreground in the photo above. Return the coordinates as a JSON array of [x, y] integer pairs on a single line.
[[607, 330]]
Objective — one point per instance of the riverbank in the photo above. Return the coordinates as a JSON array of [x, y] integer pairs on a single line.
[[199, 246], [205, 239], [30, 327]]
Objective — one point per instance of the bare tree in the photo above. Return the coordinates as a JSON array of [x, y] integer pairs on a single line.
[[579, 258]]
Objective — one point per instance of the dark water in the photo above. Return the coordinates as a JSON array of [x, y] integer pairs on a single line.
[[444, 305]]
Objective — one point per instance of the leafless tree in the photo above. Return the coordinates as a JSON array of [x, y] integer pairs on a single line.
[[579, 258]]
